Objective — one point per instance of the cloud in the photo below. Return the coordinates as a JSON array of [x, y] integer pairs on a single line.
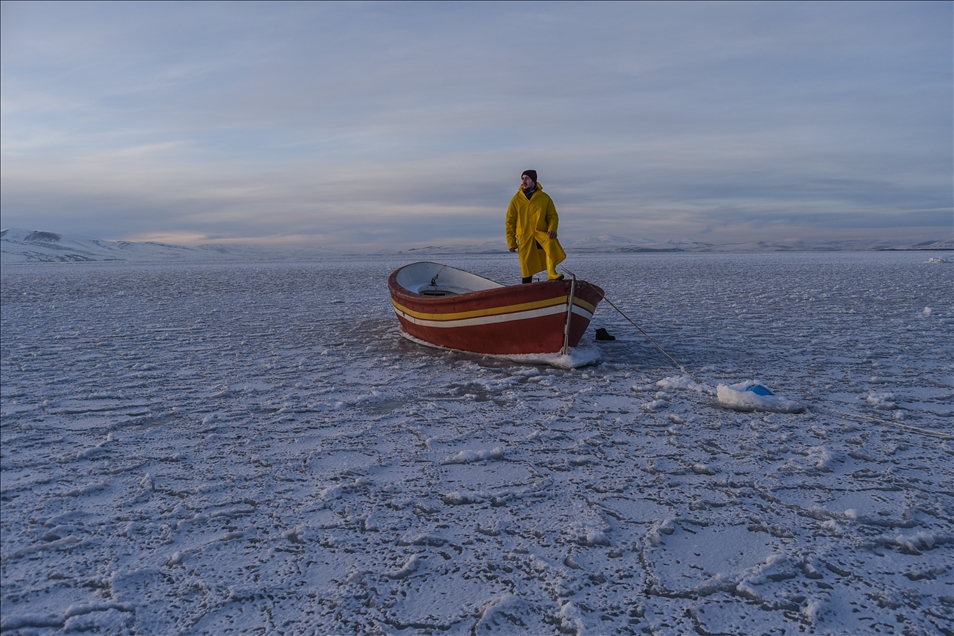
[[368, 122]]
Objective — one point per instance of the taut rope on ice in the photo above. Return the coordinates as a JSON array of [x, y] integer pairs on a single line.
[[681, 368]]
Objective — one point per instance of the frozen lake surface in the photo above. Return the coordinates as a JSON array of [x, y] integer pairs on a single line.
[[230, 448]]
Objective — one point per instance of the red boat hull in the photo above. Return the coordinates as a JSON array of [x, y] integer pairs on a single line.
[[517, 319]]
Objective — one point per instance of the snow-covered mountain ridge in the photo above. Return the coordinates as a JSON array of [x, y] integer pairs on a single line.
[[26, 246]]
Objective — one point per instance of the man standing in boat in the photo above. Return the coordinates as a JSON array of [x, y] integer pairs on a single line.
[[532, 229]]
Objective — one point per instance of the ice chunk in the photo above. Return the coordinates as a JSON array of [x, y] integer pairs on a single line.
[[739, 398], [409, 568], [882, 400], [683, 382], [468, 456]]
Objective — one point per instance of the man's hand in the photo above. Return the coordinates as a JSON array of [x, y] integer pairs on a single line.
[[513, 249], [551, 234]]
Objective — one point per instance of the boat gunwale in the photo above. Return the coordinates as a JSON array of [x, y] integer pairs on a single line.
[[546, 292]]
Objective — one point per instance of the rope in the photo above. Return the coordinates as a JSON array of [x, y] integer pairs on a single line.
[[434, 280], [916, 429], [681, 368]]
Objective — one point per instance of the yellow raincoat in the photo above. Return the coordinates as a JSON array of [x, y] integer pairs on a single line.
[[528, 222]]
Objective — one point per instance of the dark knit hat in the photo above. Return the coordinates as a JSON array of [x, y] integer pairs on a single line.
[[530, 173]]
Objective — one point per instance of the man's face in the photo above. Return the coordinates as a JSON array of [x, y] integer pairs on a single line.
[[527, 182]]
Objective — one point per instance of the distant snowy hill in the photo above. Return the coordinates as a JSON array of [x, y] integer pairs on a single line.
[[19, 246], [619, 244], [25, 246], [927, 245]]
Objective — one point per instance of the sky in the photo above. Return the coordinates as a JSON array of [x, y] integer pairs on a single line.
[[375, 125]]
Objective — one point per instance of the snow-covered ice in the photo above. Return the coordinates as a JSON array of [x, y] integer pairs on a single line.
[[226, 448]]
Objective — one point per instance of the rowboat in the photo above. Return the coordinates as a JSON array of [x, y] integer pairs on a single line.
[[448, 307]]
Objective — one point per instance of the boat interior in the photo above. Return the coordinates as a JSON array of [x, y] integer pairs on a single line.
[[434, 279]]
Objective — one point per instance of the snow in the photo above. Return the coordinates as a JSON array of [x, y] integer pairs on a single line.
[[27, 246], [254, 447]]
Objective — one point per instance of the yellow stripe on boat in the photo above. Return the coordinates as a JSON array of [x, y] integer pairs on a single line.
[[478, 313], [493, 311], [496, 318]]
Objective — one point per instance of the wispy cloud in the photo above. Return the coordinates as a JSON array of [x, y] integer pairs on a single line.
[[411, 122]]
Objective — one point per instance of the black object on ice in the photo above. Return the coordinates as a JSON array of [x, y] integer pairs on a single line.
[[602, 334]]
